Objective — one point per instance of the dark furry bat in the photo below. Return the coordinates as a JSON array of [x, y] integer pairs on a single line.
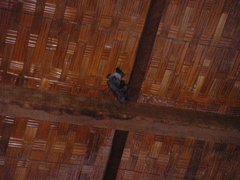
[[118, 86]]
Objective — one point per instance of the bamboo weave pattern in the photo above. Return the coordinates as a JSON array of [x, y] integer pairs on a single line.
[[149, 156], [32, 149], [69, 45], [195, 62]]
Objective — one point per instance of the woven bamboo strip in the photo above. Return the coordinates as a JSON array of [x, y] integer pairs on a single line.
[[76, 44], [62, 41], [201, 69], [5, 15], [175, 158], [205, 27], [52, 150]]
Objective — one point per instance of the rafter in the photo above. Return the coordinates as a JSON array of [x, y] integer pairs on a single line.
[[144, 51]]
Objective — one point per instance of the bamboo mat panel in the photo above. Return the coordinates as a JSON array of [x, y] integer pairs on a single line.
[[69, 45], [32, 149], [152, 157], [195, 62]]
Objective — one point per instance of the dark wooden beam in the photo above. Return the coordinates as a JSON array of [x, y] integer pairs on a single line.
[[139, 70], [105, 113], [145, 47], [119, 140]]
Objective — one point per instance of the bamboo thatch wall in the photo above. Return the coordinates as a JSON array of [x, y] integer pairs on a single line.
[[195, 61], [32, 149]]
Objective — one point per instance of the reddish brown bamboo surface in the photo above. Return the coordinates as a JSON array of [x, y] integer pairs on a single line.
[[149, 156], [69, 45], [31, 149], [195, 61]]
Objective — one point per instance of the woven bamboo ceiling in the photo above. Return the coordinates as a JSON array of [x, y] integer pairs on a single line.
[[71, 45], [176, 53]]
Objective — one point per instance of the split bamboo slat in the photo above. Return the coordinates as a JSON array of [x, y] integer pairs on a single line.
[[69, 45], [195, 62], [149, 156], [32, 149]]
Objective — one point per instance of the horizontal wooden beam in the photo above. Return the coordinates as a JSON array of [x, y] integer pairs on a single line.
[[106, 113]]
